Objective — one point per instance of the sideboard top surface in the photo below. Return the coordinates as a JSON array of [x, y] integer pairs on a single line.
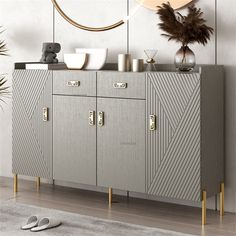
[[112, 67]]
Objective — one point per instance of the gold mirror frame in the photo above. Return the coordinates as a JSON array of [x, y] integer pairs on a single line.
[[83, 27], [146, 3]]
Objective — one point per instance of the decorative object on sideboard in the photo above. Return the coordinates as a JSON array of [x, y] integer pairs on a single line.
[[137, 65], [124, 62], [184, 29], [42, 66], [151, 54], [96, 57], [75, 60], [185, 59], [152, 4], [49, 51]]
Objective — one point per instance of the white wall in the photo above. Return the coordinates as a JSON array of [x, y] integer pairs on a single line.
[[30, 22], [226, 54]]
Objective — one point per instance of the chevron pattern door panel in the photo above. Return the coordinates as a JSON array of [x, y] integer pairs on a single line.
[[173, 149], [32, 136]]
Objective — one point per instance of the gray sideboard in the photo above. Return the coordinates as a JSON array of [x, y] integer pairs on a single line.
[[160, 133]]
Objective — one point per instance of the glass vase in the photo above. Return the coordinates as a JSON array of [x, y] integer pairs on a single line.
[[185, 59]]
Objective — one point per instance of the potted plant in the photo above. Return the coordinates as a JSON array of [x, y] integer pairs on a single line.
[[3, 88], [186, 30]]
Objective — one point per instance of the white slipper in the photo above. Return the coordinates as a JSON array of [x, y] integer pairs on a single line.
[[31, 223], [46, 223]]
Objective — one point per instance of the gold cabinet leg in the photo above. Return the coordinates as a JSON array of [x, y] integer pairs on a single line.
[[15, 183], [204, 207], [110, 196], [222, 198], [38, 183]]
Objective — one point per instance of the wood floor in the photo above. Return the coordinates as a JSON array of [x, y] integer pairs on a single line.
[[137, 211]]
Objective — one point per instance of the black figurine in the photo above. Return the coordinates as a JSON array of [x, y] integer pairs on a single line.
[[49, 55]]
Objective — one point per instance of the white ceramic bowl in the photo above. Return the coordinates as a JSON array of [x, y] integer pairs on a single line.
[[75, 60], [96, 57]]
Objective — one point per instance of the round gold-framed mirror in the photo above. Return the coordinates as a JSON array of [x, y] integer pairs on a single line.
[[151, 4]]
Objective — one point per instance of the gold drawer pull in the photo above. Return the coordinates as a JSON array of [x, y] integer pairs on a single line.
[[45, 113], [73, 83], [100, 118], [152, 122], [120, 85], [91, 117]]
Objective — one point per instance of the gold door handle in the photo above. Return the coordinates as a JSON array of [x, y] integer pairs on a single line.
[[100, 118], [45, 113], [152, 122], [120, 85], [91, 117], [73, 83]]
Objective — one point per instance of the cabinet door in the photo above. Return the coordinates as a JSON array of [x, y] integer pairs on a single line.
[[121, 144], [31, 130], [173, 148], [74, 139]]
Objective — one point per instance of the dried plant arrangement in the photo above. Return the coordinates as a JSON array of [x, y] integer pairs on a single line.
[[187, 29]]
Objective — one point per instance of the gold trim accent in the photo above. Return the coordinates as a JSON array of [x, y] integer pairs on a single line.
[[45, 113], [204, 194], [120, 85], [100, 118], [15, 183], [222, 198], [38, 183], [83, 27], [110, 196], [152, 122], [91, 118]]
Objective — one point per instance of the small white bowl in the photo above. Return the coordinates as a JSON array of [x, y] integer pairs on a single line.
[[75, 60], [96, 57]]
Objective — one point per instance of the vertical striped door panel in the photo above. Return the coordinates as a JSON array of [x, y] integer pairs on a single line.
[[173, 149], [32, 137]]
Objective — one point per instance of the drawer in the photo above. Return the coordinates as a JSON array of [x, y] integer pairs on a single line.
[[74, 82], [121, 84]]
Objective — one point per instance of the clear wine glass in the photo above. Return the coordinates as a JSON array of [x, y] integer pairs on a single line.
[[151, 54]]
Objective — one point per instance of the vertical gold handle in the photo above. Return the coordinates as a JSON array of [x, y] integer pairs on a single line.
[[152, 122], [100, 118], [45, 113], [91, 117]]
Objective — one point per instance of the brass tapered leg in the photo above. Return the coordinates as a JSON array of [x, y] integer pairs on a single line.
[[15, 184], [222, 198], [38, 183], [110, 197], [204, 207]]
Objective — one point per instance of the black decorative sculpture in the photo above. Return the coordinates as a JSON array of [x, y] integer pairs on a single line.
[[49, 55]]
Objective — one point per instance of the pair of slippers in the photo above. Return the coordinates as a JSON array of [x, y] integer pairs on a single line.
[[35, 225]]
